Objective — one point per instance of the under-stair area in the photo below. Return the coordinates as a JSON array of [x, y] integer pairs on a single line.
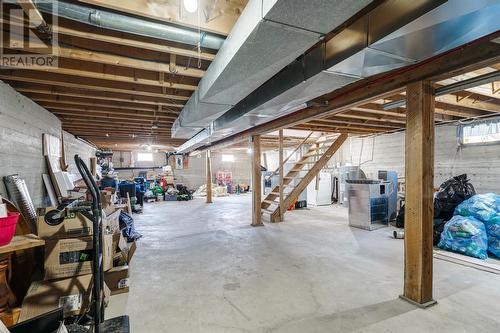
[[305, 169]]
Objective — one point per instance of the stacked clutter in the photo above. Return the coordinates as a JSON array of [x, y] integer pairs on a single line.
[[119, 245], [67, 278], [67, 274], [483, 212]]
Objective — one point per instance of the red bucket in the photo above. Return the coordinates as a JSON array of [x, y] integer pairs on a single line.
[[8, 228]]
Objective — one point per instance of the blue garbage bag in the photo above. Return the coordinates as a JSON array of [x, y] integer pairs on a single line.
[[493, 231], [466, 235], [483, 207], [486, 208]]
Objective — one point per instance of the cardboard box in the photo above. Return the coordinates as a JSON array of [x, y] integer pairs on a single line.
[[59, 255], [107, 252], [123, 251], [111, 219], [117, 280], [107, 198], [73, 225], [72, 294]]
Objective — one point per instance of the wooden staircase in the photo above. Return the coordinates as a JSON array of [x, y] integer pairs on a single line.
[[315, 159]]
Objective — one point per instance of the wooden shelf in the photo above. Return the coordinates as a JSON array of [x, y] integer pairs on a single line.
[[22, 242]]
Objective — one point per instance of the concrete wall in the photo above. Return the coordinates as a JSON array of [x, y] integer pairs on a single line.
[[480, 163], [22, 123], [194, 175]]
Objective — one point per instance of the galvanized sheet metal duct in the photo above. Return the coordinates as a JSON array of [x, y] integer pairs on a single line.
[[268, 36], [123, 23], [19, 195], [372, 45]]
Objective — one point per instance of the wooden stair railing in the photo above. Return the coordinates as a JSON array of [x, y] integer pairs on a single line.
[[270, 204]]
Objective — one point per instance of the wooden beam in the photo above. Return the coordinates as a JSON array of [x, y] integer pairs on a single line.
[[112, 59], [256, 182], [281, 174], [158, 47], [90, 102], [460, 99], [98, 95], [111, 126], [419, 207], [114, 77], [35, 17], [209, 176], [104, 115], [109, 111], [19, 76]]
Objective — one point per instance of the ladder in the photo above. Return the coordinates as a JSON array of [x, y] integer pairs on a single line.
[[312, 162]]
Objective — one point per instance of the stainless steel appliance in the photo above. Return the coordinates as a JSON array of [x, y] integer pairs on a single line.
[[368, 203], [392, 194]]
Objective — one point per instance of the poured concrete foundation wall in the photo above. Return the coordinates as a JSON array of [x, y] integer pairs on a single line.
[[22, 123]]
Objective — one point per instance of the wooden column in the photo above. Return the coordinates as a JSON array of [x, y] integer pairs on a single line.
[[282, 209], [209, 177], [419, 207], [256, 182]]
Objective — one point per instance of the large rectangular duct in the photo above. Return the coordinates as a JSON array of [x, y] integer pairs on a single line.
[[373, 44], [268, 36]]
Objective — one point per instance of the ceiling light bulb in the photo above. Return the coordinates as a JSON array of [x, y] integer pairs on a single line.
[[249, 150], [148, 148], [191, 5]]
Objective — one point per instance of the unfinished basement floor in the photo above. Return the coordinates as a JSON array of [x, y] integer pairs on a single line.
[[202, 268]]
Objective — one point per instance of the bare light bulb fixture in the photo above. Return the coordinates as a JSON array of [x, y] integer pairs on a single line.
[[191, 5]]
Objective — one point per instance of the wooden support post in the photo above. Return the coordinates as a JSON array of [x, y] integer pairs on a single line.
[[282, 209], [419, 207], [256, 182], [209, 177]]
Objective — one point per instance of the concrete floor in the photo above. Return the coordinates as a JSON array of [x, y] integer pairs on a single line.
[[202, 268]]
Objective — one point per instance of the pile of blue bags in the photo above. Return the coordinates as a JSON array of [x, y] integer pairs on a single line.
[[474, 230]]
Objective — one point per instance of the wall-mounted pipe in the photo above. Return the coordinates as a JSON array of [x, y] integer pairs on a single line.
[[123, 23]]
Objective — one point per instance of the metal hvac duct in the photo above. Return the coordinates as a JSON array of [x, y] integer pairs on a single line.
[[123, 23], [19, 195], [268, 36], [389, 37]]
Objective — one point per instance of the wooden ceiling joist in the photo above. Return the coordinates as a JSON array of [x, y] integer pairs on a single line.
[[114, 60], [69, 119], [117, 79], [97, 95], [90, 102], [111, 116], [21, 77]]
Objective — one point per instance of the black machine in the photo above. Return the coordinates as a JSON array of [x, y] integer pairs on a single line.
[[114, 325]]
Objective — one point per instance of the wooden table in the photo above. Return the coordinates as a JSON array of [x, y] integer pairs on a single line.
[[7, 299]]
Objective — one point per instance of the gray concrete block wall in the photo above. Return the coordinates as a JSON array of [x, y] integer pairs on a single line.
[[480, 163], [73, 146], [22, 124]]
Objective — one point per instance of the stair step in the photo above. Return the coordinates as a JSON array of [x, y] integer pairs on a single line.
[[269, 211], [271, 202]]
